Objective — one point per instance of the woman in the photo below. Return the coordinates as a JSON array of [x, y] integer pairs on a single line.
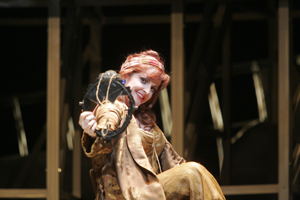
[[140, 163]]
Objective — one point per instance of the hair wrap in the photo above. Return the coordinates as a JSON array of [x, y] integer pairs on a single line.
[[144, 59]]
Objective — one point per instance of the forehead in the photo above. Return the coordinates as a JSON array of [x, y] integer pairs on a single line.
[[152, 78]]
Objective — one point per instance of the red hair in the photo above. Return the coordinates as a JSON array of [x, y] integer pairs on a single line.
[[155, 71]]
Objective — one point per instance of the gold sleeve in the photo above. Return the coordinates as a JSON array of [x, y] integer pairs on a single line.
[[95, 146], [116, 113]]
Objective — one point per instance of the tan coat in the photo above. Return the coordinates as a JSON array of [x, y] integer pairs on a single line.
[[138, 164], [123, 166]]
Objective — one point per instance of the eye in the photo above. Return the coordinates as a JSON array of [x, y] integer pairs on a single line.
[[143, 80], [153, 89]]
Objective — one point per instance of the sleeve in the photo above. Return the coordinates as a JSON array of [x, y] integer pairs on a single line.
[[169, 157], [95, 146]]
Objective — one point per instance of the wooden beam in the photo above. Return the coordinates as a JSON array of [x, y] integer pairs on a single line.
[[177, 69], [143, 19], [205, 76], [71, 56], [53, 92], [29, 98], [283, 99], [24, 171], [134, 2], [44, 3], [23, 22], [23, 193], [121, 2], [226, 104], [76, 173], [198, 52], [95, 48], [76, 97], [23, 3], [249, 189], [272, 94]]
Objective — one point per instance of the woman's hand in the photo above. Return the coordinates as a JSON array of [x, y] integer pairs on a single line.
[[88, 123]]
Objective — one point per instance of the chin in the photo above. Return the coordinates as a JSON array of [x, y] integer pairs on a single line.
[[137, 102]]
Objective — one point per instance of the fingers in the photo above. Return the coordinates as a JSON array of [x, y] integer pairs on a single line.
[[88, 123], [92, 130], [83, 115]]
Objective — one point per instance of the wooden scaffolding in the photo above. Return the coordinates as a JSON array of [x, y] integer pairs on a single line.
[[183, 124]]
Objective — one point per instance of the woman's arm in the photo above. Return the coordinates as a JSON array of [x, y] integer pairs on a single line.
[[108, 115], [91, 144], [88, 123], [95, 146]]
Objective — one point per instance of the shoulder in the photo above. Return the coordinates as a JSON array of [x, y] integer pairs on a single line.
[[157, 131], [155, 128]]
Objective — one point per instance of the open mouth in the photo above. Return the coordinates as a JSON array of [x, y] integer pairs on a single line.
[[140, 96]]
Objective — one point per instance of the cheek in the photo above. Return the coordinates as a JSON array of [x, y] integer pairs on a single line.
[[149, 97], [132, 82]]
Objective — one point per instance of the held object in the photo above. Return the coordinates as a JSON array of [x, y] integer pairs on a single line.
[[108, 86]]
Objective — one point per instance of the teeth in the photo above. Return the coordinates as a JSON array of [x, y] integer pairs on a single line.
[[140, 95]]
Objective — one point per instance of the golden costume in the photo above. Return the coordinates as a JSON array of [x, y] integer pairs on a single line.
[[141, 164]]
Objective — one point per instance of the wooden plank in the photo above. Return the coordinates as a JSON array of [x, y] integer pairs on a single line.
[[205, 76], [23, 22], [23, 193], [250, 189], [76, 173], [283, 100], [44, 3], [118, 20], [23, 3], [28, 98], [134, 2], [53, 93], [165, 111], [69, 60], [77, 151], [23, 173], [226, 105], [72, 61], [120, 2], [272, 97], [95, 48], [177, 68], [198, 53], [77, 96], [21, 135], [142, 19]]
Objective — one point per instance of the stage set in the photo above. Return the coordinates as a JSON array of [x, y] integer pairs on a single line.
[[232, 103]]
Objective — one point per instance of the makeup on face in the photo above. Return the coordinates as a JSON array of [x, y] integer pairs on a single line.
[[142, 87]]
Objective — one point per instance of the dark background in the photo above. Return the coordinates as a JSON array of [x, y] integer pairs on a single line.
[[23, 63]]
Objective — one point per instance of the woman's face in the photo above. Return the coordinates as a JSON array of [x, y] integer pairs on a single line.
[[142, 87]]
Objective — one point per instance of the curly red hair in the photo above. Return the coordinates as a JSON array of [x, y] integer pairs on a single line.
[[154, 72]]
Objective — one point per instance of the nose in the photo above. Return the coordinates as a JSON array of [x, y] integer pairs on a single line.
[[147, 89]]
